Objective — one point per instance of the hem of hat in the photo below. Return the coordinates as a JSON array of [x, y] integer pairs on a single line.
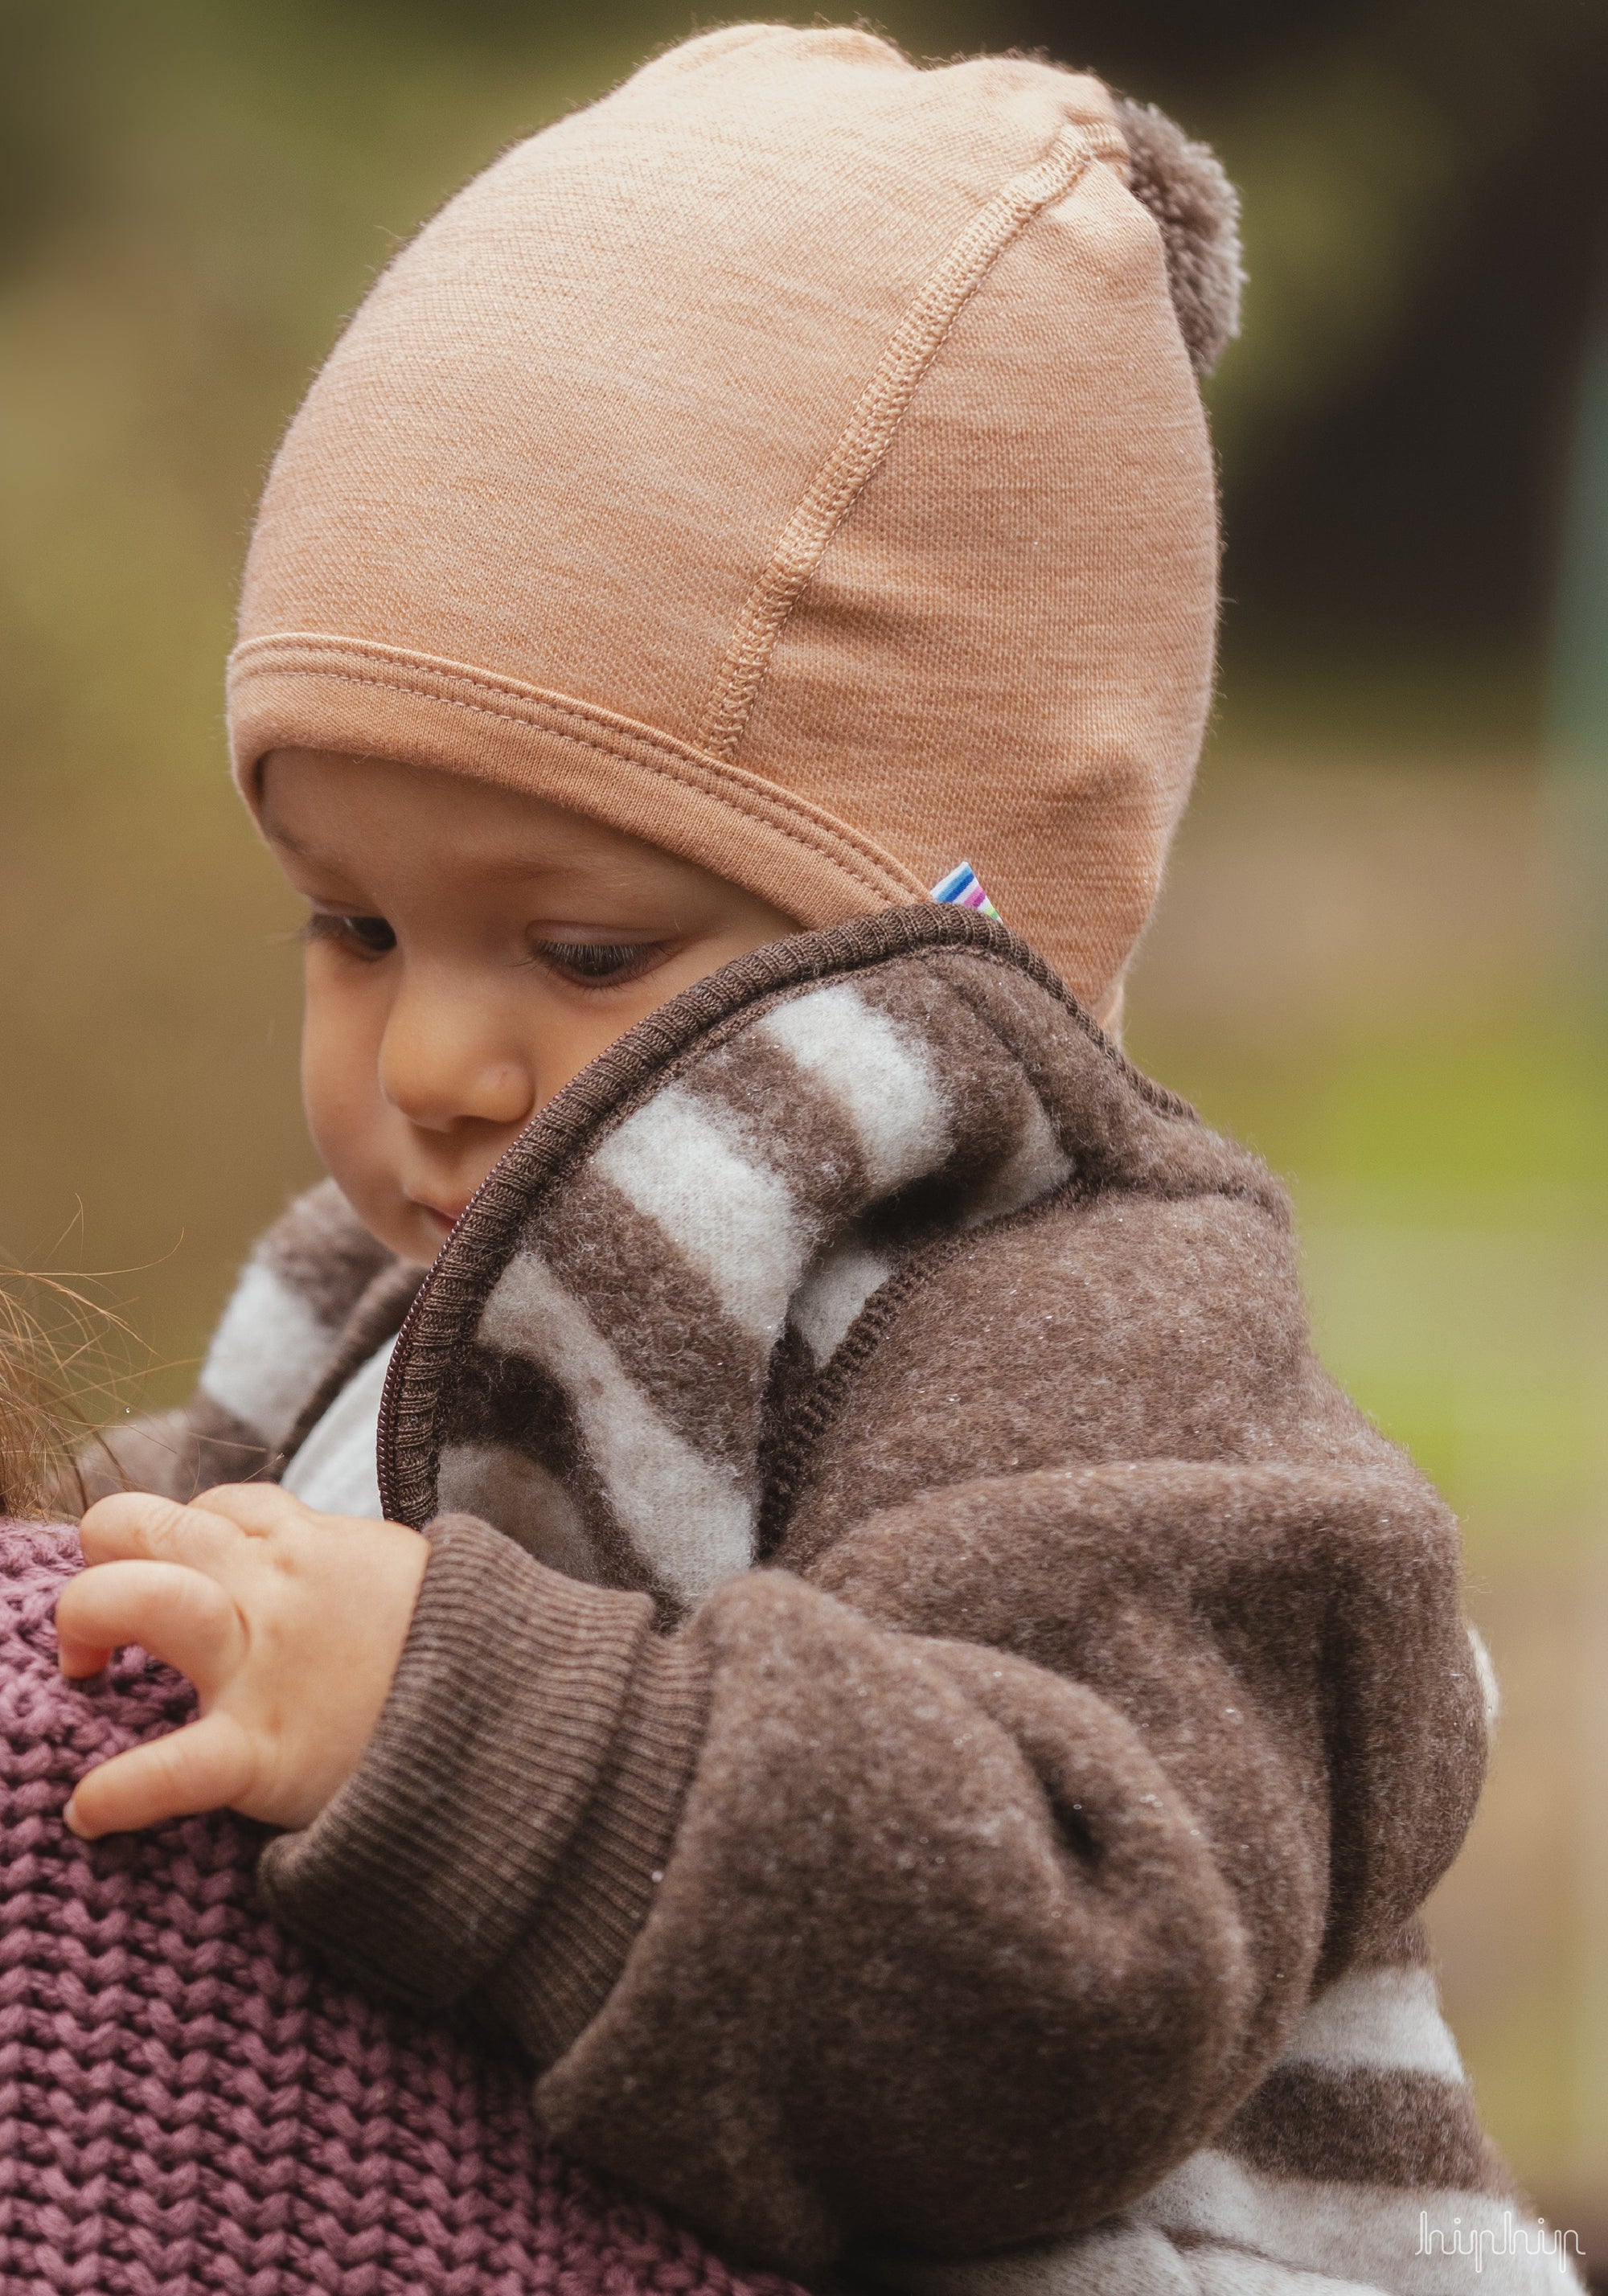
[[318, 690]]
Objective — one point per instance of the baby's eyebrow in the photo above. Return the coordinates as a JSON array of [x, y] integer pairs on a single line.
[[541, 872], [278, 836], [332, 865]]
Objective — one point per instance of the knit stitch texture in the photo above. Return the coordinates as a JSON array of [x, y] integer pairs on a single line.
[[188, 2101]]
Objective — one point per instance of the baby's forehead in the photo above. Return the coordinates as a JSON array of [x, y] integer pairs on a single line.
[[323, 793], [359, 816]]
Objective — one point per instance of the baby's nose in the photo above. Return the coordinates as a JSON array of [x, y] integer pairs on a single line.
[[442, 1065]]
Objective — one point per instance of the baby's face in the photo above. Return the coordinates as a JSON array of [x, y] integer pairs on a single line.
[[469, 950]]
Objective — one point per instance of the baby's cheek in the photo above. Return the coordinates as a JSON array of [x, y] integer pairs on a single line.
[[347, 1113]]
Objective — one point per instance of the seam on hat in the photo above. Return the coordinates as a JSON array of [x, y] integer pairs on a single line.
[[865, 438], [808, 826]]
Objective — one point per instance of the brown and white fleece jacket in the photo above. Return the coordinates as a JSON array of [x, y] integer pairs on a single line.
[[929, 1717]]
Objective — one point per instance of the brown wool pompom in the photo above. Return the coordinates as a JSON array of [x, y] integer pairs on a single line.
[[1183, 184]]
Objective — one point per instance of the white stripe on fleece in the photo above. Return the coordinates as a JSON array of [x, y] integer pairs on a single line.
[[832, 1295], [1385, 2017], [1216, 2271], [266, 1353], [1371, 2233], [1118, 2258], [1491, 1689], [879, 1075], [732, 1216], [692, 1523], [1114, 2259]]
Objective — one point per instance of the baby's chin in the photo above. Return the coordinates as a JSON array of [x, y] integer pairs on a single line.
[[412, 1230]]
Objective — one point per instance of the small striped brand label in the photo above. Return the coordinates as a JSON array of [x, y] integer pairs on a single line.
[[963, 890]]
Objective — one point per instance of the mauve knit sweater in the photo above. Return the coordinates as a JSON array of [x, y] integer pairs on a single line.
[[187, 2102]]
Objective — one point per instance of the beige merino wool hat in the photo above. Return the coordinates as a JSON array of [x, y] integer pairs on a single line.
[[794, 459]]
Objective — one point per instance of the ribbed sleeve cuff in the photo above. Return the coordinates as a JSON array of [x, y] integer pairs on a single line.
[[511, 1818]]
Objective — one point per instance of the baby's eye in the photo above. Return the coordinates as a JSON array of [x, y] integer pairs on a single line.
[[598, 964], [364, 936]]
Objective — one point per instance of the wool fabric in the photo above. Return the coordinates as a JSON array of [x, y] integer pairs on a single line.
[[795, 460], [928, 1716], [189, 2102]]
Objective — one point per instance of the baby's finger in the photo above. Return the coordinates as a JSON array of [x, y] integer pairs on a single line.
[[178, 1615], [208, 1764], [80, 1660], [136, 1525], [259, 1509]]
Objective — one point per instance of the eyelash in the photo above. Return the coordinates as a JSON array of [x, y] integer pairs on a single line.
[[602, 964], [325, 924], [583, 964]]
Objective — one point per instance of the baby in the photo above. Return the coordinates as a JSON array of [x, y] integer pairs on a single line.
[[775, 1531]]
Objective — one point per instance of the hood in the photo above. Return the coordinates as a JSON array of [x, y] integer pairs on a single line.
[[646, 1290]]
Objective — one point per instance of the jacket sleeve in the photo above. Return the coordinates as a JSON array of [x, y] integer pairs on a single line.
[[945, 1893]]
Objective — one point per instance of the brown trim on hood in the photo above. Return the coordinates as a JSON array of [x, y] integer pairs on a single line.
[[618, 1081]]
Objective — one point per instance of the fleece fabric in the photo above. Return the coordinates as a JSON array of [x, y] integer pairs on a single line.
[[795, 460], [929, 1717]]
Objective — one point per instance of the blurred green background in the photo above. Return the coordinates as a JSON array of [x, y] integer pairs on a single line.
[[1379, 955]]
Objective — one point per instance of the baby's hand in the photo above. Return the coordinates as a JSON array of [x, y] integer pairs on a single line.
[[288, 1623]]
